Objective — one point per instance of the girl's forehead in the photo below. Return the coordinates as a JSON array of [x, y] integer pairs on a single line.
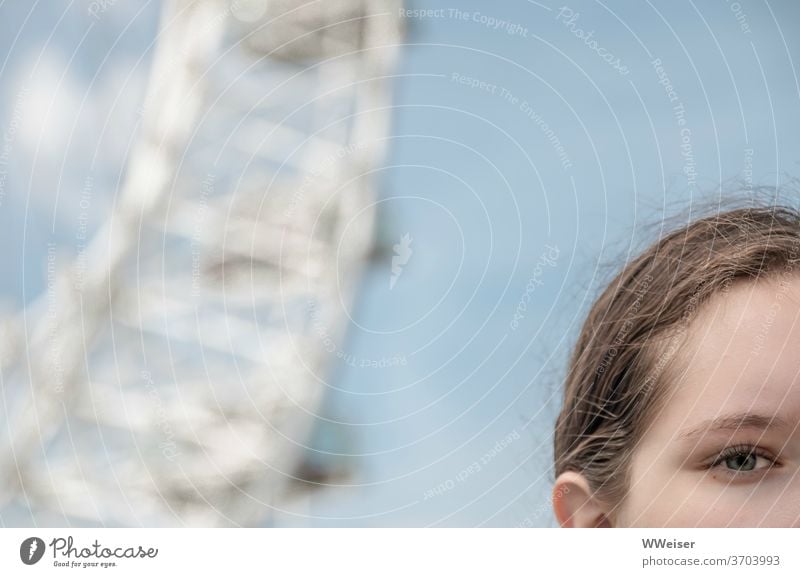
[[742, 350]]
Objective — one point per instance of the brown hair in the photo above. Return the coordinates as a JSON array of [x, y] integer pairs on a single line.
[[619, 371]]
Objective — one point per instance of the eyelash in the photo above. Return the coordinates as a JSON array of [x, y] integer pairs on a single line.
[[742, 450]]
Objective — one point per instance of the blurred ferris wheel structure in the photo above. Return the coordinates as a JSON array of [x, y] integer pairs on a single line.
[[171, 373]]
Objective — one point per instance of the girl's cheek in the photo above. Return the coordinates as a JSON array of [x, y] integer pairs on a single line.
[[770, 503]]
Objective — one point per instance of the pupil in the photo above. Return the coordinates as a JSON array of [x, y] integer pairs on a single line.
[[744, 462]]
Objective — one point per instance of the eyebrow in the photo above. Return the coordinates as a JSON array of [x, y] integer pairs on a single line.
[[734, 422]]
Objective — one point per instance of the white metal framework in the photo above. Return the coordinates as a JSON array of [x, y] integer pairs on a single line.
[[171, 374]]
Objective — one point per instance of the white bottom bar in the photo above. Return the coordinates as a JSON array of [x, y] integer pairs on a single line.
[[400, 552]]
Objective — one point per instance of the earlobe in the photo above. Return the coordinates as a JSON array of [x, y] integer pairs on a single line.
[[576, 505]]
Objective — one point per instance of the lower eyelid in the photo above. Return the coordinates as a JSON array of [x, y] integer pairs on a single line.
[[730, 476]]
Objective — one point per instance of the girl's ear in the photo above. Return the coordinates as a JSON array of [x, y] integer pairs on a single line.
[[576, 505]]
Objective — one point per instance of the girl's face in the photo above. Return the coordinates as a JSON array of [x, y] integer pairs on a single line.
[[725, 449]]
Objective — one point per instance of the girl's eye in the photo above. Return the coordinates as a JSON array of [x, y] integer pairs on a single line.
[[742, 460]]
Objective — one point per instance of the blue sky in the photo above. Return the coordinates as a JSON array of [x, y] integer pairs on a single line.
[[512, 136]]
